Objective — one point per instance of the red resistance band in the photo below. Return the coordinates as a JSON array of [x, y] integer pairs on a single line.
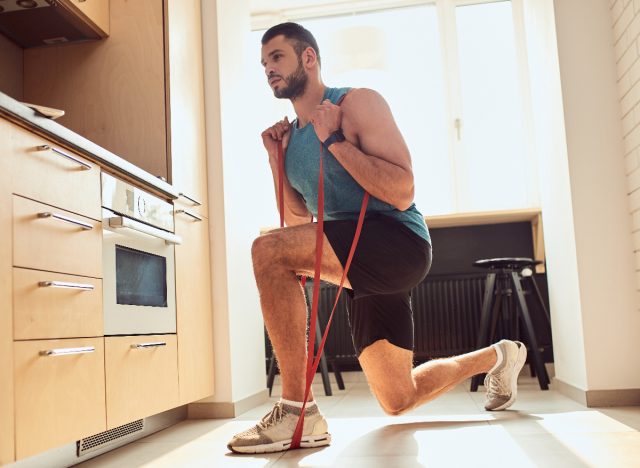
[[314, 361]]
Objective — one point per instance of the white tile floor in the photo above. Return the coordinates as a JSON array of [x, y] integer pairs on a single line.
[[544, 429]]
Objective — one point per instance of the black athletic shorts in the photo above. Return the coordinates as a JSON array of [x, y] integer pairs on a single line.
[[389, 261]]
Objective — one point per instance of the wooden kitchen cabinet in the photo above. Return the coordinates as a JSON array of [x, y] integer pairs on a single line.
[[59, 398], [49, 238], [43, 311], [95, 12], [141, 376], [193, 304], [7, 454], [189, 176], [186, 104], [43, 171]]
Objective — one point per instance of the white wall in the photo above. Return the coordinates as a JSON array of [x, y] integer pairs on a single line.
[[237, 199], [587, 226]]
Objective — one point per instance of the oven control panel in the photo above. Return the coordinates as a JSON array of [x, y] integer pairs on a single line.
[[130, 201]]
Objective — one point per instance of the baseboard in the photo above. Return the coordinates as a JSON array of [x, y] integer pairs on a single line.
[[226, 409], [599, 398]]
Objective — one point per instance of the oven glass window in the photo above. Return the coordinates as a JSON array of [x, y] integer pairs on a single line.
[[141, 278]]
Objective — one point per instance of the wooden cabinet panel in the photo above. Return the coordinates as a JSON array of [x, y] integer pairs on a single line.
[[7, 454], [186, 103], [47, 175], [96, 11], [141, 381], [194, 310], [57, 310], [113, 91], [58, 398], [53, 244]]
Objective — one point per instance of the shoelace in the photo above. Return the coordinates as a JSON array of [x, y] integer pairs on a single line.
[[274, 417], [496, 385]]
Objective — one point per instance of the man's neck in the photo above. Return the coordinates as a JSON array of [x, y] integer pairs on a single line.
[[307, 103]]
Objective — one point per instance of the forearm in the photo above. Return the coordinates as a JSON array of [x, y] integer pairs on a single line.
[[295, 211], [384, 180]]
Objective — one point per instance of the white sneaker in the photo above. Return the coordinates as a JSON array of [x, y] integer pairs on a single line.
[[275, 430], [502, 381]]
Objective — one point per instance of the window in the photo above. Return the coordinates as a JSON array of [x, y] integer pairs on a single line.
[[449, 71]]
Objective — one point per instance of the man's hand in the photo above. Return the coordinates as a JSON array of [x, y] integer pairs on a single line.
[[326, 119], [281, 131]]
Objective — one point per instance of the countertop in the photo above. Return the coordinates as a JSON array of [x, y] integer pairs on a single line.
[[25, 116]]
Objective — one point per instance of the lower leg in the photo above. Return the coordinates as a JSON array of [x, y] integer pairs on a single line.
[[399, 388], [285, 316], [435, 377]]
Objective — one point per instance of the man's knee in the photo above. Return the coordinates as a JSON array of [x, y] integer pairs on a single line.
[[264, 252], [395, 405]]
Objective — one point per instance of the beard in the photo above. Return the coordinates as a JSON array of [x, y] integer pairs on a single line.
[[296, 83]]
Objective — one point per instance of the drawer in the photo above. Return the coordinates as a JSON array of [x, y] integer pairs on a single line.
[[44, 171], [53, 305], [141, 377], [59, 398], [47, 238]]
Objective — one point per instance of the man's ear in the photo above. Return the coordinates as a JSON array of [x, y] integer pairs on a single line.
[[309, 57]]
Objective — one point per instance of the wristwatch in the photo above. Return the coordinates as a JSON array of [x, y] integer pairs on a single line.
[[335, 137]]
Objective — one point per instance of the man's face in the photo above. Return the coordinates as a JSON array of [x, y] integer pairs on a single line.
[[284, 69]]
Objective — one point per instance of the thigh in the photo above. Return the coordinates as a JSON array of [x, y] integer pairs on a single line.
[[295, 248], [381, 317]]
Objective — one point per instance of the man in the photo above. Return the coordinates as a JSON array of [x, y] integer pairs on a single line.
[[363, 150]]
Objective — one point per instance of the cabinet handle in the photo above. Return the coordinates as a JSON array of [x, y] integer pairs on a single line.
[[83, 164], [65, 351], [77, 222], [189, 213], [191, 199], [153, 344], [64, 284]]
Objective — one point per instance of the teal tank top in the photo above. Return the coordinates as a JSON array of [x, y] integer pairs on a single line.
[[342, 194]]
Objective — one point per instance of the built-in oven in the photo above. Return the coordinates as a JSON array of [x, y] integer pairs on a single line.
[[138, 261]]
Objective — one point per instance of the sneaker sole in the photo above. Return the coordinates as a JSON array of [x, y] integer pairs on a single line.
[[520, 360], [283, 445]]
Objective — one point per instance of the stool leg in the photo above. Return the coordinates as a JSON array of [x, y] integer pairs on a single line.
[[337, 373], [323, 363], [544, 308], [484, 321], [272, 372], [543, 377]]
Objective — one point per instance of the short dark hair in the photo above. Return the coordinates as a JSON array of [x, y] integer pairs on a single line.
[[300, 36]]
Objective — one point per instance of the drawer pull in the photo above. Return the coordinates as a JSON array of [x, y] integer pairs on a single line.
[[64, 284], [189, 213], [191, 199], [82, 224], [83, 164], [65, 351], [154, 344]]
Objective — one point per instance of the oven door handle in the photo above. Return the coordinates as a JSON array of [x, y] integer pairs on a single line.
[[118, 222]]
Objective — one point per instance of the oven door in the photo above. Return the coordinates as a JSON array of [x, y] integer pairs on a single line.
[[139, 277]]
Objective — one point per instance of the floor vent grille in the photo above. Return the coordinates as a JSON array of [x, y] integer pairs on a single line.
[[98, 441]]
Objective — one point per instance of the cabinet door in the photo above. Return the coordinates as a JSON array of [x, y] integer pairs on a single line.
[[47, 238], [186, 104], [194, 311], [46, 172], [142, 377], [59, 396], [53, 305]]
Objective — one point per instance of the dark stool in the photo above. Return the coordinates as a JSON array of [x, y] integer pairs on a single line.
[[324, 370], [504, 274]]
